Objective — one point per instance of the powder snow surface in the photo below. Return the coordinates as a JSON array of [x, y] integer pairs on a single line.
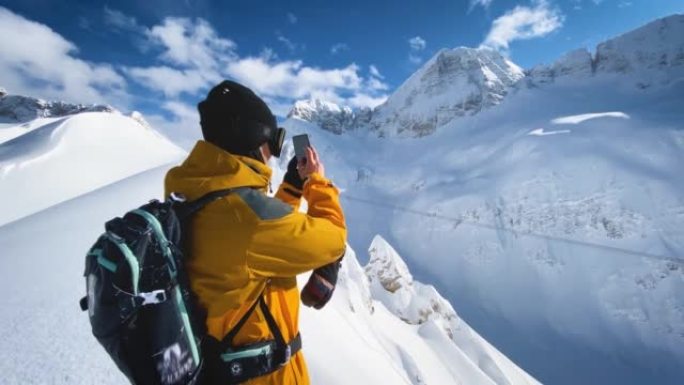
[[58, 159], [360, 337]]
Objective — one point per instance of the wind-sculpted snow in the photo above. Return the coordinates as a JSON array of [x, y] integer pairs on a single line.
[[52, 160]]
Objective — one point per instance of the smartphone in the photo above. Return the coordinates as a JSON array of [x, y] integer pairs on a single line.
[[300, 143]]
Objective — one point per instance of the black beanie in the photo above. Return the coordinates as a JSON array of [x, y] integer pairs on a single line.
[[236, 119]]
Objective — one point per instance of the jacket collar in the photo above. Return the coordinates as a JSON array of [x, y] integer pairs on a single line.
[[210, 168]]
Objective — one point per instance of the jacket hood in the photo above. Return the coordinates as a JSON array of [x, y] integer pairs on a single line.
[[209, 168]]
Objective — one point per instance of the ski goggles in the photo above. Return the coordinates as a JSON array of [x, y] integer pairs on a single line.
[[275, 143]]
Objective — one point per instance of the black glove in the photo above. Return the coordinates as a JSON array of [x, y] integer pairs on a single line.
[[321, 285], [292, 175]]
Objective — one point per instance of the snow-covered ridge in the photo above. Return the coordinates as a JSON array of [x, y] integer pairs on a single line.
[[392, 284], [652, 54], [24, 108], [328, 115], [415, 303], [71, 155]]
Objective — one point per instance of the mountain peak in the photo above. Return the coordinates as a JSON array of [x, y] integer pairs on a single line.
[[455, 82], [329, 116], [25, 108], [386, 266]]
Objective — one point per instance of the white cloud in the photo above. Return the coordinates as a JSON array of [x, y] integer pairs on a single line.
[[482, 3], [417, 43], [122, 22], [377, 84], [192, 43], [172, 82], [292, 18], [292, 77], [289, 44], [183, 124], [35, 60], [415, 59], [339, 47], [273, 79], [364, 100], [523, 23], [375, 72]]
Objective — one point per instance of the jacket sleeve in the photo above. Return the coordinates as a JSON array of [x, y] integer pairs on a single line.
[[295, 242], [290, 195]]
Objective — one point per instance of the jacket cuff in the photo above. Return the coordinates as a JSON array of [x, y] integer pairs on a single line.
[[291, 190]]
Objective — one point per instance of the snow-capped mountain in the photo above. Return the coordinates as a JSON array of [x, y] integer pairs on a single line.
[[329, 116], [463, 81], [650, 55], [24, 108], [551, 221], [457, 82], [454, 83]]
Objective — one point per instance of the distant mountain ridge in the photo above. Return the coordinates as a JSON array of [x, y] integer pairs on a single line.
[[24, 108], [464, 81]]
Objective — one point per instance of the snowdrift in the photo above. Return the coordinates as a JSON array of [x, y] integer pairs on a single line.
[[49, 160]]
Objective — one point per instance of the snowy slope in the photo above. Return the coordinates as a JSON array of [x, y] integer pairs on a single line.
[[552, 221], [49, 160], [354, 340]]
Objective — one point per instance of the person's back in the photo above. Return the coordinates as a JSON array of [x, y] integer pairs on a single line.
[[248, 245]]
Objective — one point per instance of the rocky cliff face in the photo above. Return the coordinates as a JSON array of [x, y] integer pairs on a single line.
[[24, 108], [329, 116], [392, 284], [454, 83]]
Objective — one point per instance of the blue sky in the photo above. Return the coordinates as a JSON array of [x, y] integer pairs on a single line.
[[161, 57]]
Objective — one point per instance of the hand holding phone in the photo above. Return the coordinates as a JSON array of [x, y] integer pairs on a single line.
[[300, 143], [307, 157]]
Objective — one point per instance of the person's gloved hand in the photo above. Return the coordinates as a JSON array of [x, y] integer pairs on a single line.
[[292, 175], [321, 285]]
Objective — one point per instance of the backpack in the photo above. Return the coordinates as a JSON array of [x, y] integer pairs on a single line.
[[141, 308]]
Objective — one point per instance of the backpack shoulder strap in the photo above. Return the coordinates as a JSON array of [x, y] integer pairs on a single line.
[[187, 209]]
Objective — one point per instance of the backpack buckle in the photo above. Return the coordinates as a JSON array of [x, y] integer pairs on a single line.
[[152, 297], [288, 355]]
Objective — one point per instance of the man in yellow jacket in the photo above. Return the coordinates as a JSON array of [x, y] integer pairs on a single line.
[[246, 248]]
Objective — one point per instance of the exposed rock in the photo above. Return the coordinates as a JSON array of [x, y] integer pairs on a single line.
[[24, 108]]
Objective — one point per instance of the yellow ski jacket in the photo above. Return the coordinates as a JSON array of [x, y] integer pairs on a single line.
[[246, 242]]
